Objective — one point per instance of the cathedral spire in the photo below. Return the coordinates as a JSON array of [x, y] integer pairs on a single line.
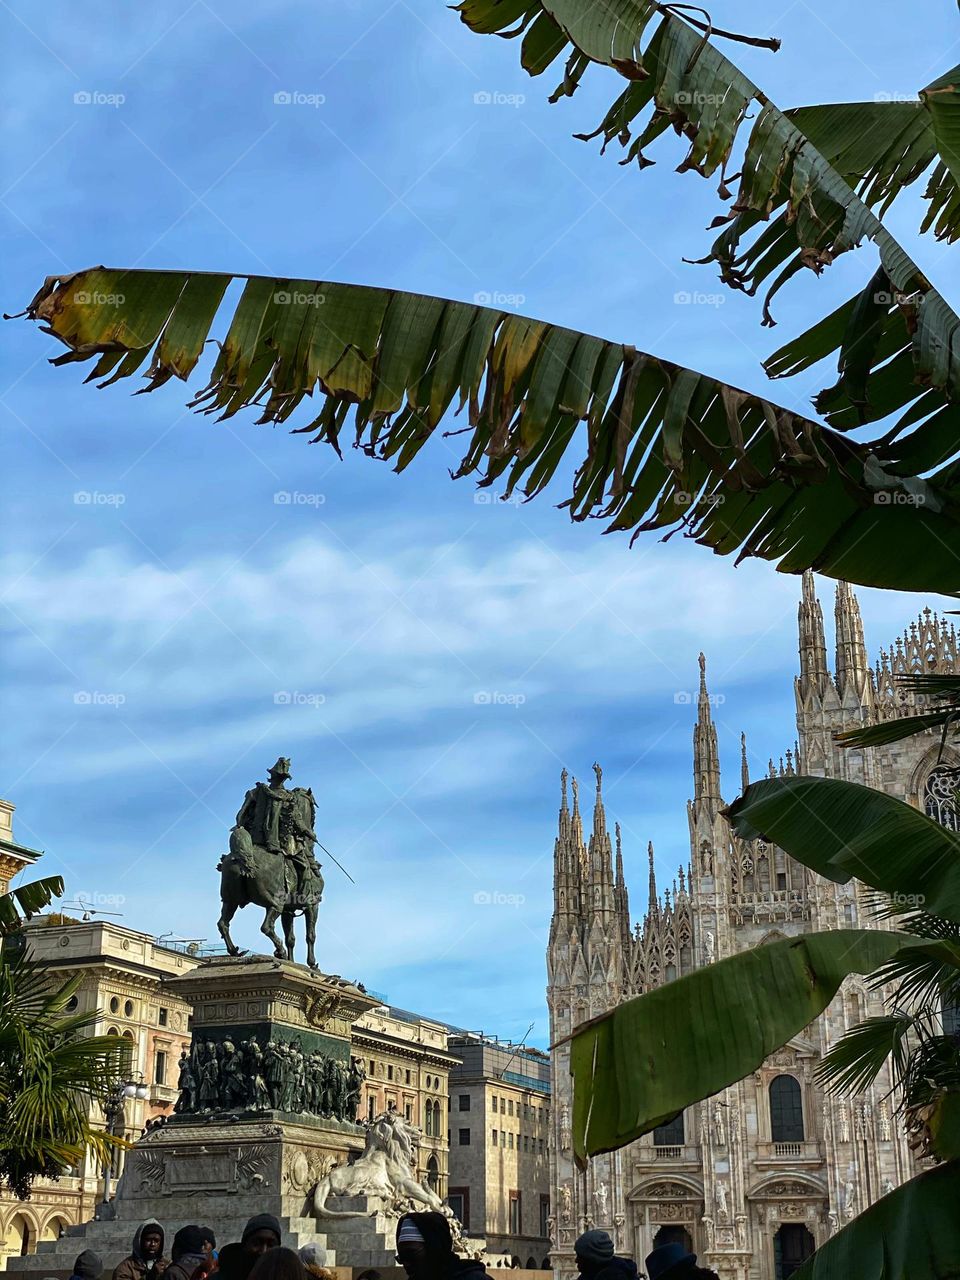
[[653, 898], [621, 897], [814, 675], [706, 758], [600, 856], [852, 665], [744, 767]]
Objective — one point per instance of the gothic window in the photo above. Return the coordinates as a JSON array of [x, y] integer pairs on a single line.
[[429, 1119], [669, 1134], [941, 796], [786, 1109]]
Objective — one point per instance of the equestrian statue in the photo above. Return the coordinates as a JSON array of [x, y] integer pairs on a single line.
[[271, 863]]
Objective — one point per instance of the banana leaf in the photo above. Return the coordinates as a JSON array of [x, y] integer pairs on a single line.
[[640, 1064], [21, 903], [841, 830], [661, 447], [911, 1234]]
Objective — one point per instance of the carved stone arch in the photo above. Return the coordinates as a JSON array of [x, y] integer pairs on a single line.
[[678, 1186], [771, 1184], [773, 935], [926, 764]]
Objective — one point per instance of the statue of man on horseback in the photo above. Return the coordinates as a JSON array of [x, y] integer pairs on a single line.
[[271, 862]]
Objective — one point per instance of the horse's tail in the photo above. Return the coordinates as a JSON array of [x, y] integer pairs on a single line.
[[320, 1210]]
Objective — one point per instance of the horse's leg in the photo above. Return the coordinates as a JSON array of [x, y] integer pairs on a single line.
[[227, 911], [310, 923], [288, 931], [269, 920]]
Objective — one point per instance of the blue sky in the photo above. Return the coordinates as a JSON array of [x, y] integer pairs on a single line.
[[442, 656]]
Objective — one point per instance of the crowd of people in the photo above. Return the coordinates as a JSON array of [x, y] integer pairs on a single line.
[[425, 1250]]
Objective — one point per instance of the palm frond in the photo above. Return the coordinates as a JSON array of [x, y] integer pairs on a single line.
[[858, 1057]]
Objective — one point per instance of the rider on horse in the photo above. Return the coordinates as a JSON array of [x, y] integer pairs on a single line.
[[281, 821]]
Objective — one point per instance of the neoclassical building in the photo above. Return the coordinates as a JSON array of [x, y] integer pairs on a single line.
[[756, 1177]]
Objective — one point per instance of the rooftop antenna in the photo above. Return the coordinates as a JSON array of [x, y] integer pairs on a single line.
[[88, 911], [516, 1050]]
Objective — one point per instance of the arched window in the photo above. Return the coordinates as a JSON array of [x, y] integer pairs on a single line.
[[428, 1125], [786, 1109], [941, 796], [433, 1172], [669, 1134]]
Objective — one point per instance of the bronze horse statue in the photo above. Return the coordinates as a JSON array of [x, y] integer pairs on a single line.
[[286, 882]]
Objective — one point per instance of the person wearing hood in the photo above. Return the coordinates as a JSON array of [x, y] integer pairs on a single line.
[[88, 1266], [146, 1259], [188, 1254], [261, 1233], [596, 1259], [672, 1262], [425, 1250]]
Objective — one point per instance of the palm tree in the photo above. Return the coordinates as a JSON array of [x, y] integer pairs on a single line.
[[661, 447], [51, 1068]]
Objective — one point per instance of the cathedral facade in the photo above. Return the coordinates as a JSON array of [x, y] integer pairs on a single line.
[[755, 1178]]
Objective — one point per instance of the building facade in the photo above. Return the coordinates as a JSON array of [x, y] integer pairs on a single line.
[[408, 1065], [500, 1118], [756, 1177], [121, 977]]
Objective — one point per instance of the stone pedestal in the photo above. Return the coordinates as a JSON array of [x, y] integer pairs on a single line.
[[219, 1167]]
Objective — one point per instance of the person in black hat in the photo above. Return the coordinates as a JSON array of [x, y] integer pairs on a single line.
[[261, 1233], [187, 1253], [425, 1250], [88, 1266], [672, 1262], [596, 1259]]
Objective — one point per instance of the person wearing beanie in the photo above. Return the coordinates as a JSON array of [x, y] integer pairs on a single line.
[[261, 1233], [188, 1254], [596, 1259], [234, 1263], [425, 1250], [209, 1241], [672, 1262], [88, 1266]]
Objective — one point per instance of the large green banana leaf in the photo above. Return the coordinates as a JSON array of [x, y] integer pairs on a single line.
[[843, 830], [666, 448], [911, 1234], [642, 1063], [898, 342]]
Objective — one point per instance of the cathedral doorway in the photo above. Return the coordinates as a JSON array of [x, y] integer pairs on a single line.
[[792, 1246], [673, 1235]]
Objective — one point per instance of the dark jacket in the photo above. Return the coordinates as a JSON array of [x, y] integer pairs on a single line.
[[88, 1266], [185, 1266], [135, 1266], [615, 1269]]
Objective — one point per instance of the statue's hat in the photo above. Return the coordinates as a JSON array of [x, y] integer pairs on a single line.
[[282, 767]]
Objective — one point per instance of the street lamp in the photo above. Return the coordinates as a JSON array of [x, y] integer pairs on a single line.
[[114, 1105]]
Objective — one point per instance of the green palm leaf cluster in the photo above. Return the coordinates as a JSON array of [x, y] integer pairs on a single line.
[[51, 1068]]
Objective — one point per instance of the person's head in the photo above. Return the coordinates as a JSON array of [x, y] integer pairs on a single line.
[[261, 1234], [672, 1262], [593, 1250], [279, 1264], [188, 1241], [234, 1263], [280, 772], [88, 1266], [424, 1245], [151, 1241], [208, 1241]]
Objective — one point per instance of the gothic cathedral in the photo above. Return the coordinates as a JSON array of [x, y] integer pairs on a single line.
[[755, 1178]]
